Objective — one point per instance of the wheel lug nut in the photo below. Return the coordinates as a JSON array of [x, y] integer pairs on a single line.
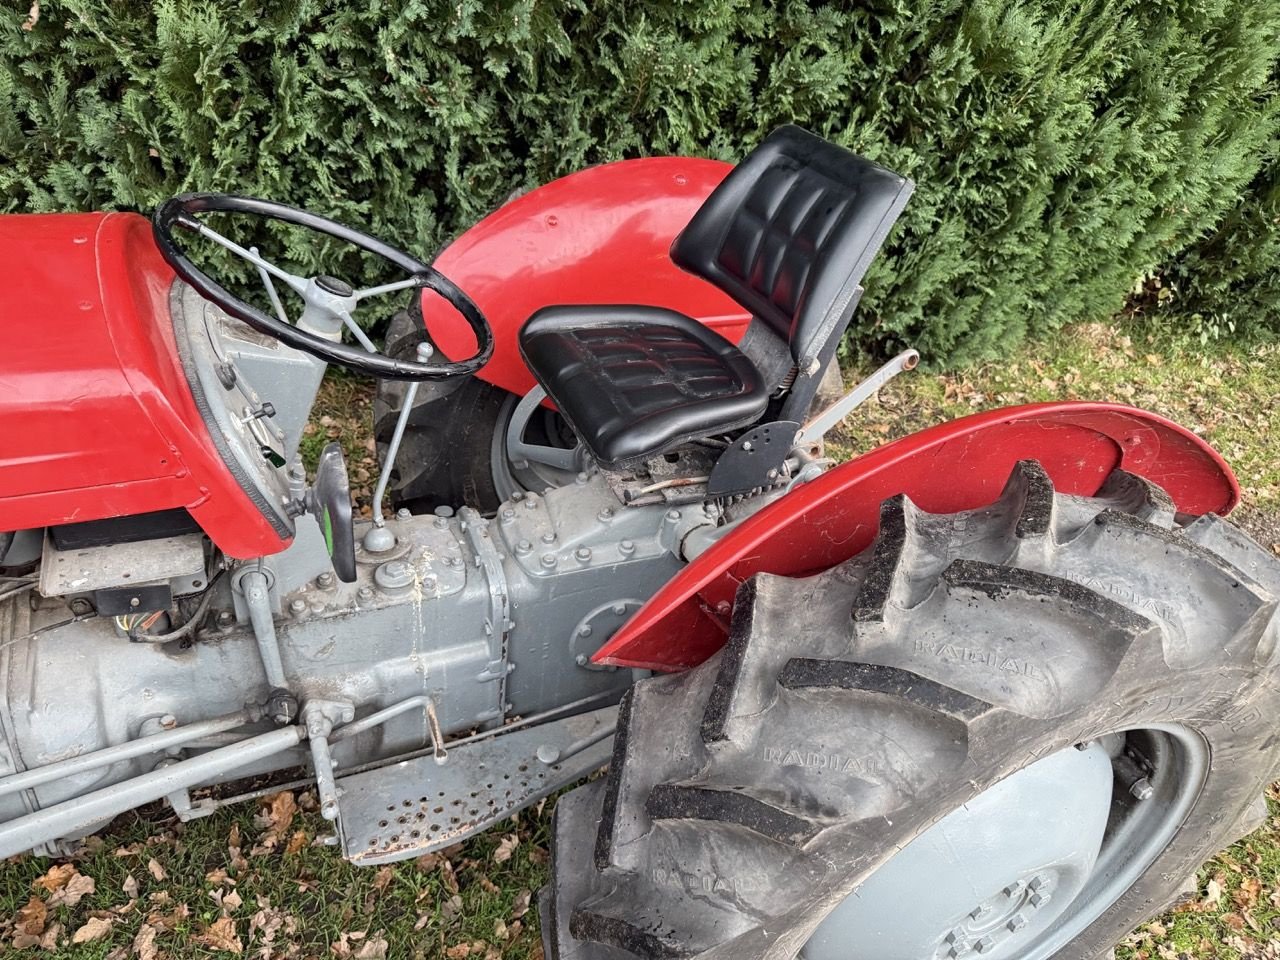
[[1013, 889], [984, 945], [1142, 789], [1016, 923], [1038, 899], [978, 912], [1038, 883]]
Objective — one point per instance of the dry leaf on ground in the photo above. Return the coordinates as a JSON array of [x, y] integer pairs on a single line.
[[221, 935], [95, 929]]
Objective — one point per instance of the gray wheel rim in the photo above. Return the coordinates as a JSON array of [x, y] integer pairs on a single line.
[[507, 479], [1033, 897]]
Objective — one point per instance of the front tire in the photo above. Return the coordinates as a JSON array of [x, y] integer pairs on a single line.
[[752, 799]]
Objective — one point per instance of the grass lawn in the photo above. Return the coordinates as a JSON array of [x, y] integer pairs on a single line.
[[257, 880]]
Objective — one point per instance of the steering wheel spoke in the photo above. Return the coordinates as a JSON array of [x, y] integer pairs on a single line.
[[271, 291], [386, 288], [329, 301]]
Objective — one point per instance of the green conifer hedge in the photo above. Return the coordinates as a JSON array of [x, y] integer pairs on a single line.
[[1060, 149]]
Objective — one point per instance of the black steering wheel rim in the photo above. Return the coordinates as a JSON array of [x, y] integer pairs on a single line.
[[181, 211]]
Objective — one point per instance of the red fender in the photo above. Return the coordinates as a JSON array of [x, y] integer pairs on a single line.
[[601, 235], [961, 465]]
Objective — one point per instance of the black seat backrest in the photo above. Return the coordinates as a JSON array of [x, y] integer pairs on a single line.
[[790, 233]]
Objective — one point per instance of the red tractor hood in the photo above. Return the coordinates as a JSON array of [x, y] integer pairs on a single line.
[[96, 416]]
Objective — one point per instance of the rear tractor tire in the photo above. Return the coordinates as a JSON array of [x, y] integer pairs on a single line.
[[1010, 733]]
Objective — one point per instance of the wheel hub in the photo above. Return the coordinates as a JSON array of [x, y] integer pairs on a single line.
[[987, 879], [1015, 908]]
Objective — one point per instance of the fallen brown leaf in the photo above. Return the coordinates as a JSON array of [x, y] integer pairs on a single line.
[[506, 847], [56, 877], [221, 935], [95, 929], [76, 889], [157, 871], [144, 944]]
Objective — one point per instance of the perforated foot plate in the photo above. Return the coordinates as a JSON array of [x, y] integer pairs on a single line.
[[416, 806]]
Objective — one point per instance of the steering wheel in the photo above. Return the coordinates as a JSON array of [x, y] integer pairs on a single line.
[[329, 301]]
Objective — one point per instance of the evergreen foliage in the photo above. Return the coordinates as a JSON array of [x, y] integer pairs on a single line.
[[1060, 150]]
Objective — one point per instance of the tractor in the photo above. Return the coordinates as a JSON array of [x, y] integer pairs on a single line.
[[993, 690]]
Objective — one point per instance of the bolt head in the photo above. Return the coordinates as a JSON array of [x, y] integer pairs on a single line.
[[508, 514], [583, 554], [584, 630], [226, 618], [298, 606], [365, 593], [673, 515], [403, 513], [627, 547], [1142, 789], [548, 560], [324, 580], [605, 515]]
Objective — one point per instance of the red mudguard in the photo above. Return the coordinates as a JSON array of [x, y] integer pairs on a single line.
[[960, 465], [601, 235]]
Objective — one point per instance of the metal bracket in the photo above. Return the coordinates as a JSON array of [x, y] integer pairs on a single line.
[[498, 623], [754, 460]]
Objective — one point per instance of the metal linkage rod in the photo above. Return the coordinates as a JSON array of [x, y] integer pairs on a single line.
[[140, 747], [817, 428], [378, 539], [257, 597], [79, 815]]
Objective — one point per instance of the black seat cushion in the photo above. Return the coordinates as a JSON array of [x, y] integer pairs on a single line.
[[636, 381], [790, 233]]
